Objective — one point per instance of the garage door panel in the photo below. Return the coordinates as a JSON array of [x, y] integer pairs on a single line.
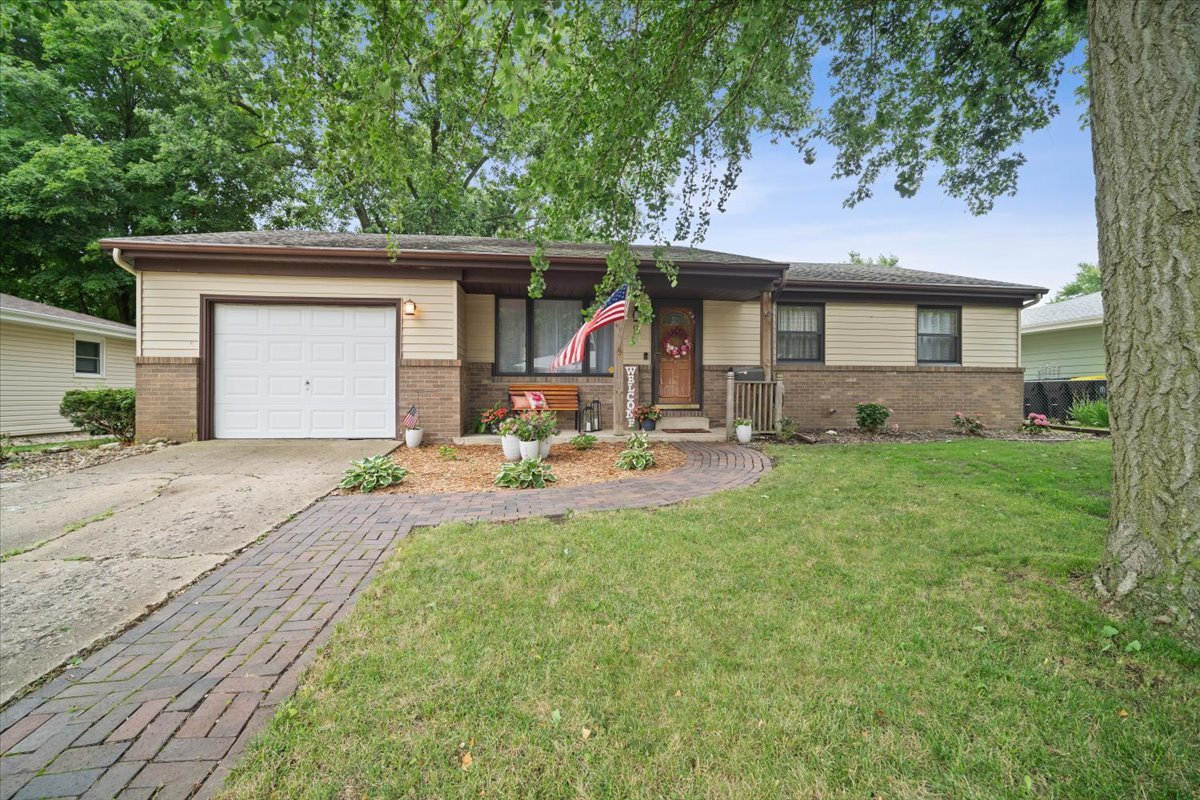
[[304, 371]]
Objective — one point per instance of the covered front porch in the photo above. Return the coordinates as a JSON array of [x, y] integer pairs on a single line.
[[713, 319]]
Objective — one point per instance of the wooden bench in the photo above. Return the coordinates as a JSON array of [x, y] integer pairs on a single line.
[[559, 396]]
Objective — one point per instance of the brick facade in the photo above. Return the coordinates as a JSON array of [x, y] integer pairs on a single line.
[[818, 396], [435, 387], [166, 397]]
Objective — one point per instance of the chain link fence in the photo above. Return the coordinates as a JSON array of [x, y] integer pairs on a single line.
[[1055, 398]]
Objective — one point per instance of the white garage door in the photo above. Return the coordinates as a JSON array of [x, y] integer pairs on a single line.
[[304, 372]]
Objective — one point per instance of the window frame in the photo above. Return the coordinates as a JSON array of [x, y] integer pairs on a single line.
[[585, 370], [957, 335], [820, 359], [99, 342]]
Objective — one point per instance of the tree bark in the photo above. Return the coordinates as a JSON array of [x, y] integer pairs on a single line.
[[1144, 68]]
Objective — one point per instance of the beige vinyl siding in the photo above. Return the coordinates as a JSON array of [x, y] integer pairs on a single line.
[[170, 307], [480, 314], [731, 333], [460, 320], [37, 367], [1075, 351], [871, 334], [990, 336]]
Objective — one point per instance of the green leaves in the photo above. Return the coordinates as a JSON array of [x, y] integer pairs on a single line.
[[371, 473], [533, 473]]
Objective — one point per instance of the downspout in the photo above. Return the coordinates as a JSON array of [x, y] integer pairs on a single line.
[[124, 264], [120, 261]]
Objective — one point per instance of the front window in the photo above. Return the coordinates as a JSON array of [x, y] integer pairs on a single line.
[[87, 357], [938, 335], [800, 333], [531, 333]]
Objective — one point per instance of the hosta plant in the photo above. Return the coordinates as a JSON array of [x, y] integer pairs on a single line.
[[373, 472], [532, 473], [584, 441], [637, 453]]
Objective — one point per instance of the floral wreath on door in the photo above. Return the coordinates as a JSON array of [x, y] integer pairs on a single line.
[[676, 343]]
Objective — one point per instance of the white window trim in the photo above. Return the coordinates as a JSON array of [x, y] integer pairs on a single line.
[[99, 340]]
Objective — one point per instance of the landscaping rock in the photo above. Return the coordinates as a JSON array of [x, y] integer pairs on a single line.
[[59, 449], [110, 446]]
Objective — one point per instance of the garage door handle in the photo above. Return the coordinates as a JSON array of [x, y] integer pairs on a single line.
[[306, 383]]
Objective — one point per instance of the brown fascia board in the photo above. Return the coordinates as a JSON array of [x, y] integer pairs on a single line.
[[170, 256], [793, 290]]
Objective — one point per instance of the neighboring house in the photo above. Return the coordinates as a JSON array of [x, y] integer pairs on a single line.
[[1064, 340], [44, 351], [307, 334]]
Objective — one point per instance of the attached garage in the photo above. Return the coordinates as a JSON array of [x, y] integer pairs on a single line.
[[298, 371]]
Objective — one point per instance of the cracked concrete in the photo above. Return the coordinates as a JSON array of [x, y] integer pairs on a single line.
[[176, 513]]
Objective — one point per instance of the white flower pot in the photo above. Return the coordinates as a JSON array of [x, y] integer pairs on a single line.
[[530, 450], [744, 434], [512, 447], [544, 448], [413, 436]]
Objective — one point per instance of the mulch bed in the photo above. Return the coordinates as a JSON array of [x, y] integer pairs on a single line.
[[855, 436], [474, 468], [37, 464]]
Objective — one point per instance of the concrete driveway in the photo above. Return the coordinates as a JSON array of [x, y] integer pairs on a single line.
[[100, 545]]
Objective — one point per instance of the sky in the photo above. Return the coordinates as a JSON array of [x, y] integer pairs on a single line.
[[786, 210]]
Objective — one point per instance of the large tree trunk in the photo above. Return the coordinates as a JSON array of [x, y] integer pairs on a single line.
[[1144, 60]]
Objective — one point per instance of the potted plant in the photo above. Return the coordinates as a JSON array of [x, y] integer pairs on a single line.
[[646, 417], [547, 425], [413, 435], [490, 418], [509, 440], [527, 437], [744, 428]]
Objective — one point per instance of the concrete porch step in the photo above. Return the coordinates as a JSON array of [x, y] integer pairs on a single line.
[[683, 423]]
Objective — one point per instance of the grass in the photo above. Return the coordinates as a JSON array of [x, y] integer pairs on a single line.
[[83, 523], [900, 621], [1090, 413]]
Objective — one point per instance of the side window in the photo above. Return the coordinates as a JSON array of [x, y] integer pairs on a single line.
[[87, 357], [800, 333], [938, 335]]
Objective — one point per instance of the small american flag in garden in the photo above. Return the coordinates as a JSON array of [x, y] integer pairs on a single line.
[[612, 310], [412, 418]]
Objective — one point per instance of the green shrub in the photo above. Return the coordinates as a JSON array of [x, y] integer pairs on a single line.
[[101, 411], [965, 423], [871, 417], [448, 453], [532, 474], [373, 472], [584, 441], [786, 429], [637, 454], [1090, 413]]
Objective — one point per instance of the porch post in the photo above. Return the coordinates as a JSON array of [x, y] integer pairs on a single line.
[[729, 395], [766, 335]]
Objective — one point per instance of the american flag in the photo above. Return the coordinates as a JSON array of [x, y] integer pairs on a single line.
[[612, 310], [412, 419]]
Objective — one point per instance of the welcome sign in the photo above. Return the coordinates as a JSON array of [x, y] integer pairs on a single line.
[[630, 395]]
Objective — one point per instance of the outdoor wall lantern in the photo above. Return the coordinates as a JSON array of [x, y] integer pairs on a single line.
[[410, 308]]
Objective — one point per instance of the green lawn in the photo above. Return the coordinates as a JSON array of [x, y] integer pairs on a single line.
[[895, 620]]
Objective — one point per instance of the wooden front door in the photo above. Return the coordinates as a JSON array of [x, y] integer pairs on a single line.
[[677, 356]]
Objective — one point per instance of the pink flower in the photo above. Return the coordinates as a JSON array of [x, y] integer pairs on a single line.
[[895, 427]]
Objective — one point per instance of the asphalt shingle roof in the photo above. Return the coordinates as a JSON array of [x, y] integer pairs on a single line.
[[871, 273], [479, 245], [30, 307], [1077, 309]]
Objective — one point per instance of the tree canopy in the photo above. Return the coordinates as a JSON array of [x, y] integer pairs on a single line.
[[103, 135], [1086, 281]]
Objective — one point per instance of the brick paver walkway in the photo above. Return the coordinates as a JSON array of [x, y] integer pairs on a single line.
[[165, 709]]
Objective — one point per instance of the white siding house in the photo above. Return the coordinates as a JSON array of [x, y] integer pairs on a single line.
[[45, 351]]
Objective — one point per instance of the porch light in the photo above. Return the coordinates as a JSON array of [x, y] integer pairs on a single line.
[[410, 308]]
